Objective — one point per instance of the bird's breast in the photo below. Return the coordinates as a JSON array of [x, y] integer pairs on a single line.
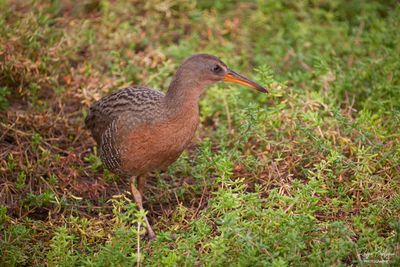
[[156, 145]]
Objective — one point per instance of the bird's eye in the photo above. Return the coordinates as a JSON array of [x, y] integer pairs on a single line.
[[216, 69]]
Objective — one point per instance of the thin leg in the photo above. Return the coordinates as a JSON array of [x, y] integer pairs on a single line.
[[138, 199], [141, 184]]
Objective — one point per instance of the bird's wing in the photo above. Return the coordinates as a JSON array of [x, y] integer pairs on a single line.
[[138, 101]]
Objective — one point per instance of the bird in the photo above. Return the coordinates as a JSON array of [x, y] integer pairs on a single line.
[[139, 130]]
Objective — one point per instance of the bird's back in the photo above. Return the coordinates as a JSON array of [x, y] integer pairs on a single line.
[[142, 104]]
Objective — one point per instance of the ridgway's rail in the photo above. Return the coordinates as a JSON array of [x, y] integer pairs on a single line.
[[139, 130]]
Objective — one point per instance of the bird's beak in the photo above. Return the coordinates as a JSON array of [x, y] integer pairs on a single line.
[[232, 76]]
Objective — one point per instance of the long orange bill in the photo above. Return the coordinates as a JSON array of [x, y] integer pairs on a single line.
[[232, 76]]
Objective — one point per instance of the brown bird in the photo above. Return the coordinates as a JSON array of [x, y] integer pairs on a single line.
[[139, 130]]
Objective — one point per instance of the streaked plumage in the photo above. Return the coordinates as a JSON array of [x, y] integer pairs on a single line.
[[134, 106]]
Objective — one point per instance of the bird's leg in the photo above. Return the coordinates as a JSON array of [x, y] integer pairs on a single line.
[[138, 199], [141, 184]]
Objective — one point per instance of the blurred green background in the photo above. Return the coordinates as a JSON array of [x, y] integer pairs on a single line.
[[307, 175]]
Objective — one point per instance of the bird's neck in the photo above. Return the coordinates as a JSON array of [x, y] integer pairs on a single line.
[[183, 96]]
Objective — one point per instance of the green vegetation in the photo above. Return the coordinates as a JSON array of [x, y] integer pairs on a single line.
[[308, 175]]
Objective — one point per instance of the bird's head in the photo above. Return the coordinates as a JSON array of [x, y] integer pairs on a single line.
[[203, 70]]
